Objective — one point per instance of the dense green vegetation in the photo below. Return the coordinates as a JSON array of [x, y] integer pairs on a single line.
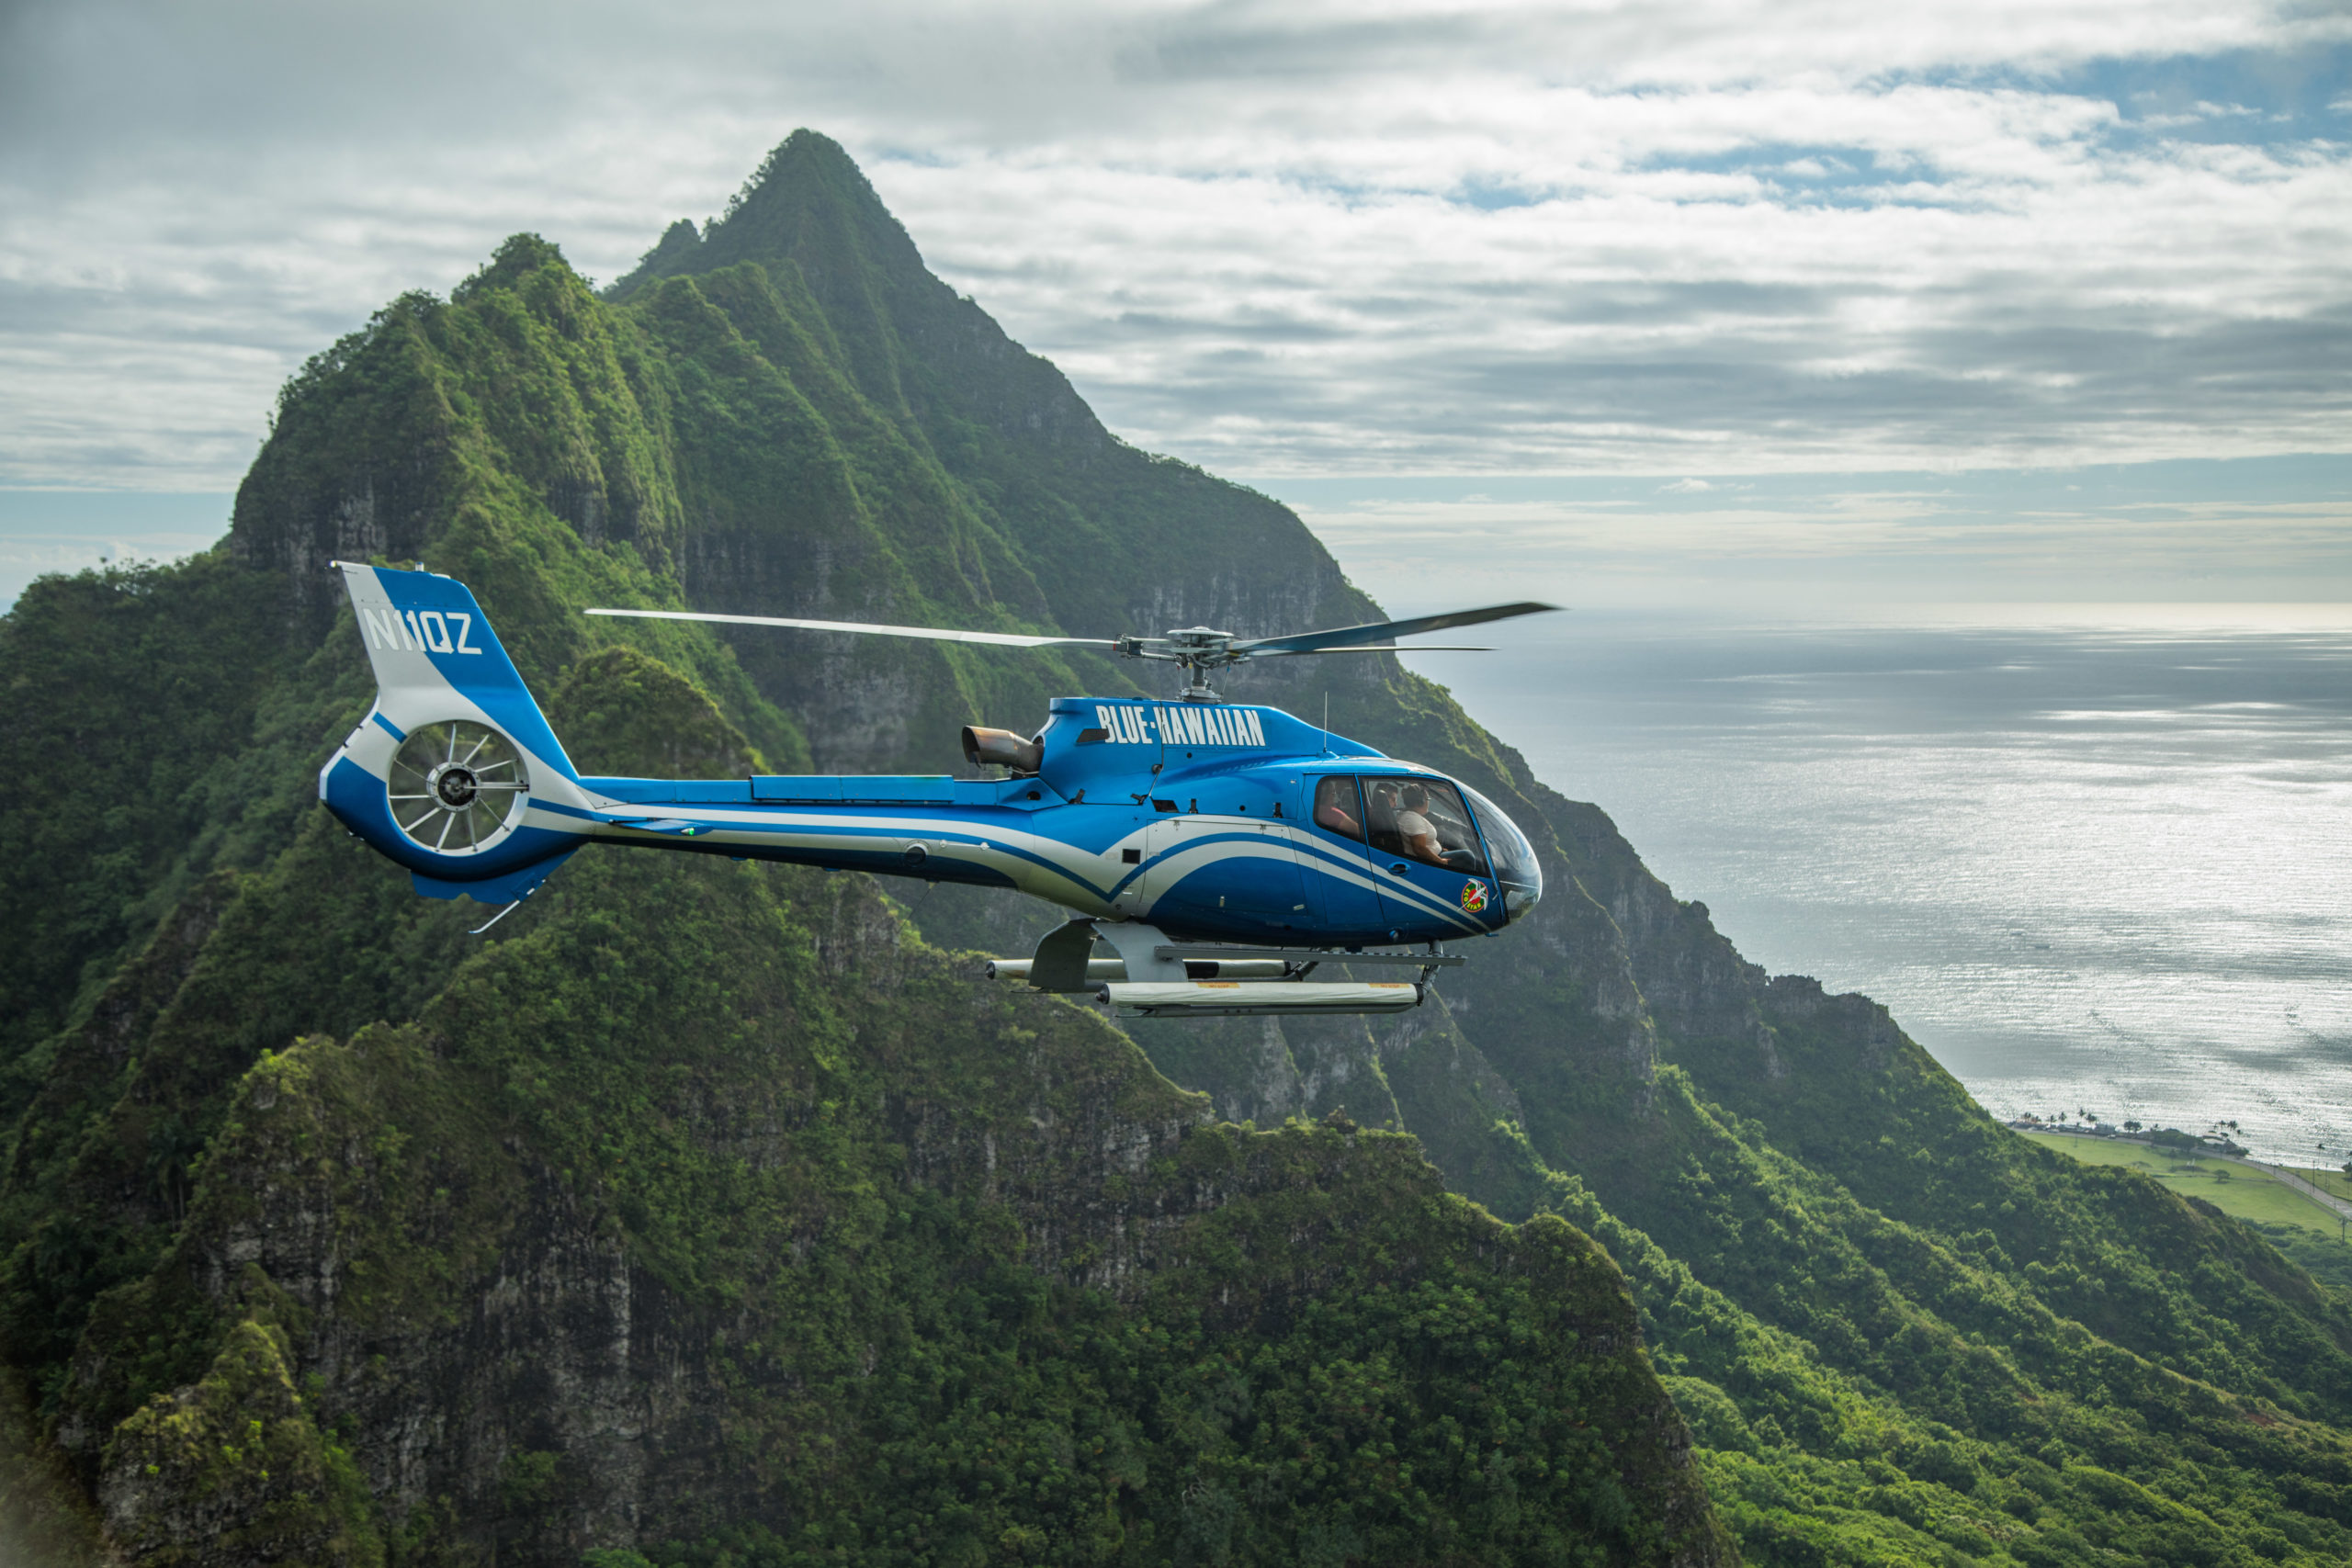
[[707, 1216], [1335, 1359], [1347, 1357], [1912, 1396]]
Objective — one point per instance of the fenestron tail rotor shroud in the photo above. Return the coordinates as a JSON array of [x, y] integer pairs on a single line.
[[455, 785], [1196, 650]]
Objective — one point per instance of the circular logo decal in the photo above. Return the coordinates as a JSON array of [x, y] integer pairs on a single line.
[[1473, 896]]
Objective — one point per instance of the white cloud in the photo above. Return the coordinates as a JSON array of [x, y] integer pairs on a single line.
[[1294, 238], [1840, 545]]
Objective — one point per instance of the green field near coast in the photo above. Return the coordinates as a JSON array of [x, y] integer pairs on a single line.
[[2330, 1181], [2247, 1191]]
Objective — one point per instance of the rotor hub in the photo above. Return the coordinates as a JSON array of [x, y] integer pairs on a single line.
[[1201, 647], [454, 786]]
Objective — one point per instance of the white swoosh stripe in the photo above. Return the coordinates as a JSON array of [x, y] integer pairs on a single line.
[[752, 829], [1192, 856]]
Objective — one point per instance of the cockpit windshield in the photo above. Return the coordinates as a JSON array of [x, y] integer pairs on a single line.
[[1514, 857]]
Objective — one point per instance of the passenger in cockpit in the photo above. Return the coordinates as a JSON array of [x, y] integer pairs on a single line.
[[1332, 798], [1413, 827]]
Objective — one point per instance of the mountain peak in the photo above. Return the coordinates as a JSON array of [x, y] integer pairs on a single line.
[[805, 154], [807, 196], [517, 256]]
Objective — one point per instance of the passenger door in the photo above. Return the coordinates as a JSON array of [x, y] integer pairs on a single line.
[[1339, 882]]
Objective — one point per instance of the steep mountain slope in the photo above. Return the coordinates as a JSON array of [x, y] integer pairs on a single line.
[[712, 1200], [701, 1210]]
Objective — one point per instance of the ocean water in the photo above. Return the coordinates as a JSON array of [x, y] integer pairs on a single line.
[[2101, 867]]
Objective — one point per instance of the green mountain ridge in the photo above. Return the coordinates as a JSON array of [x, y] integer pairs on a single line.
[[716, 1214]]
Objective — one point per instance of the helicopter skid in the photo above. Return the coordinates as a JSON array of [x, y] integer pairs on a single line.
[[1223, 999], [1154, 978]]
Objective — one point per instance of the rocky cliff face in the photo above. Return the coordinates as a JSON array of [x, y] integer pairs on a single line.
[[570, 1264]]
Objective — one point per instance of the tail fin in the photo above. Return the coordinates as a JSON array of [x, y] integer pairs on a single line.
[[428, 642], [456, 774]]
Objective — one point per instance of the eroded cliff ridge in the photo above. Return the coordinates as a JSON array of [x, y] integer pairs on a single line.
[[717, 1214]]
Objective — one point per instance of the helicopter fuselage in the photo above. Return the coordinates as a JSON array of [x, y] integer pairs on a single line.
[[1210, 821]]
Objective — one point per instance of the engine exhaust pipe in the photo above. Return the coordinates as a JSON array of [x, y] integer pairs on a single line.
[[982, 746]]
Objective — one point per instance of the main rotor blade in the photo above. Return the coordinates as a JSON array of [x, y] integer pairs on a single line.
[[1373, 648], [936, 634], [1310, 642]]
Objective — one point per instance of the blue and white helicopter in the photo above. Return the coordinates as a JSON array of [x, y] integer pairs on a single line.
[[1220, 851]]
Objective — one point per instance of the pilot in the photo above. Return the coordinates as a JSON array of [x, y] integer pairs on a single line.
[[1413, 827]]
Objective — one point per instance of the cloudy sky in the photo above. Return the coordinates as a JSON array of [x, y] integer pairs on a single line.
[[1818, 301]]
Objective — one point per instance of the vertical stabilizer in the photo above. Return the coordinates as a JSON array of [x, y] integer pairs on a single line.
[[455, 772], [429, 642]]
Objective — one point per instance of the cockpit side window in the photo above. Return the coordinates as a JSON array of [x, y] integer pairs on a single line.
[[1336, 809], [1423, 819]]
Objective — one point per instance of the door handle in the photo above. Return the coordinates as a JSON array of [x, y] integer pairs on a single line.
[[1400, 868]]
